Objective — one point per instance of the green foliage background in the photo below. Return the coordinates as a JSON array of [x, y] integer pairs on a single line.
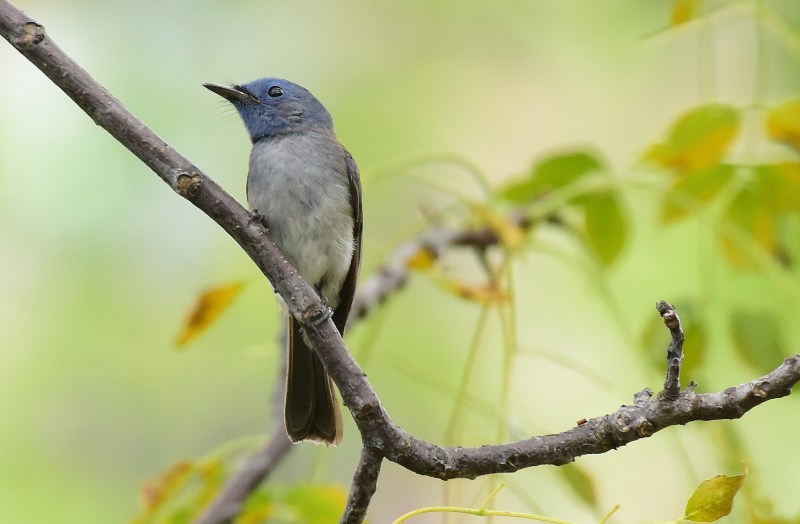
[[100, 261]]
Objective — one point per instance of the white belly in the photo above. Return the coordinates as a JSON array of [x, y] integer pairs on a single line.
[[299, 184]]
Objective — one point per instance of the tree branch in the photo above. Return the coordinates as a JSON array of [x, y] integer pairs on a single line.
[[365, 481], [381, 436], [30, 39]]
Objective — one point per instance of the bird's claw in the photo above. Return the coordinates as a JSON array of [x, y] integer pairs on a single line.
[[321, 316], [255, 216]]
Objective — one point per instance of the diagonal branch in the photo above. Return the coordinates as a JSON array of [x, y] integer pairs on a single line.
[[383, 436], [30, 39]]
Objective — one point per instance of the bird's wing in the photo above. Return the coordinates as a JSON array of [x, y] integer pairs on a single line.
[[349, 286]]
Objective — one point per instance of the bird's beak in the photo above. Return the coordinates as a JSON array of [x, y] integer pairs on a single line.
[[231, 93]]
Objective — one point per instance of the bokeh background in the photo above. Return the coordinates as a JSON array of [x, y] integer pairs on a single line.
[[100, 261]]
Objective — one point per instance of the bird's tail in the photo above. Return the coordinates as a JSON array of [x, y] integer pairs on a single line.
[[312, 411]]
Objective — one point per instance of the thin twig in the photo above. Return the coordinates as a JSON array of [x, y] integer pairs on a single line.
[[672, 383]]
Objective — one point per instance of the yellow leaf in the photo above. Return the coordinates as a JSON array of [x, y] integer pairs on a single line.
[[684, 10], [209, 306], [424, 258], [481, 293], [156, 492], [698, 140], [783, 124], [790, 172], [713, 499], [509, 233], [212, 474]]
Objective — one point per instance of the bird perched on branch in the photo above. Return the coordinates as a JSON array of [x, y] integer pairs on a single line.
[[305, 186]]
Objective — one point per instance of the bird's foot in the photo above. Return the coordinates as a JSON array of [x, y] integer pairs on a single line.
[[255, 216], [322, 315]]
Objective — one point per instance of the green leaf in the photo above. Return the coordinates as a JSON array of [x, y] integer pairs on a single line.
[[180, 516], [693, 189], [259, 507], [606, 226], [699, 139], [757, 339], [552, 173], [783, 124], [295, 504], [778, 186], [713, 499], [317, 504], [750, 223], [580, 482]]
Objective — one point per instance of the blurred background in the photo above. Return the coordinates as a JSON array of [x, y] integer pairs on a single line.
[[100, 262]]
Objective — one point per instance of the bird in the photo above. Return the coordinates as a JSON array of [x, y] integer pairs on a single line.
[[305, 187]]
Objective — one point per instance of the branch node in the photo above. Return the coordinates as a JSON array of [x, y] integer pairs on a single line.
[[316, 316], [622, 423], [643, 396], [760, 390], [188, 186], [32, 34], [644, 428]]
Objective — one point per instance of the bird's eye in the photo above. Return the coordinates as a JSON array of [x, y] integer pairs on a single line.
[[275, 91]]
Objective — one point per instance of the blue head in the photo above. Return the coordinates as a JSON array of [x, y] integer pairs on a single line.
[[272, 107]]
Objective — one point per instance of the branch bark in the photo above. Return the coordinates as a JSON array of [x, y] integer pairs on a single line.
[[381, 436], [365, 481]]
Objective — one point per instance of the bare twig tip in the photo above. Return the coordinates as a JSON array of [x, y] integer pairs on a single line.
[[668, 313]]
